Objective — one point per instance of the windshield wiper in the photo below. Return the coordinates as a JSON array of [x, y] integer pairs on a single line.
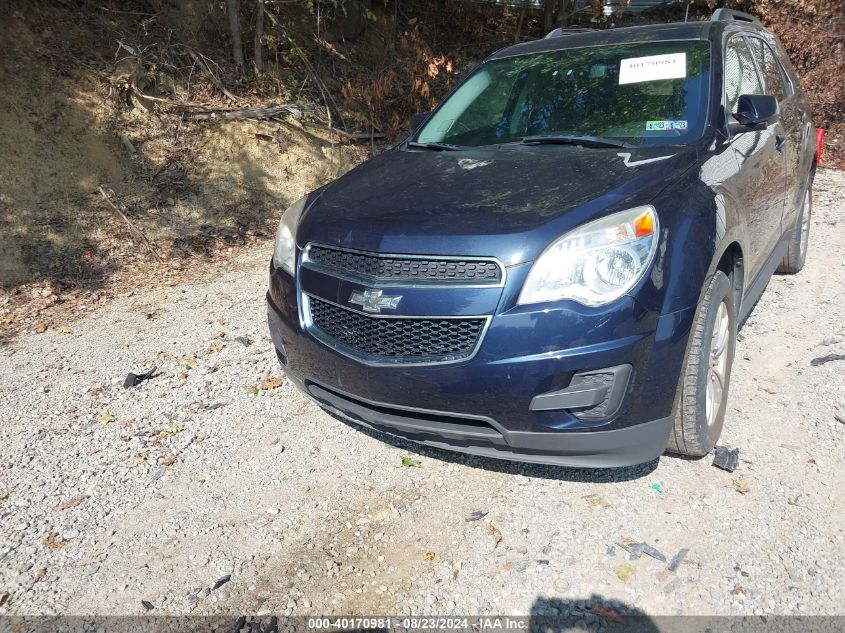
[[443, 147], [567, 139]]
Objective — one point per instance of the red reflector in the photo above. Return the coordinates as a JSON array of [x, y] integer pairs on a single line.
[[820, 138]]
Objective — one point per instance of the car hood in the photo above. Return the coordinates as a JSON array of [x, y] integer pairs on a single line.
[[509, 203]]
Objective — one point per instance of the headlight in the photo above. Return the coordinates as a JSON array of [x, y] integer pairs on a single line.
[[596, 263], [284, 252]]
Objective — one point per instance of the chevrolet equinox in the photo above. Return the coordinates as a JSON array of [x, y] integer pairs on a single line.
[[553, 266]]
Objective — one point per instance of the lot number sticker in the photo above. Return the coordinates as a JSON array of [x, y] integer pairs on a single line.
[[655, 68]]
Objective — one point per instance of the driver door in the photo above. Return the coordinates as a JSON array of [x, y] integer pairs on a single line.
[[761, 178]]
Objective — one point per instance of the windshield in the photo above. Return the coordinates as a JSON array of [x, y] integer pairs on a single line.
[[639, 93]]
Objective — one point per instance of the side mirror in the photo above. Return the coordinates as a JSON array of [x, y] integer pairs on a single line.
[[755, 112], [417, 120]]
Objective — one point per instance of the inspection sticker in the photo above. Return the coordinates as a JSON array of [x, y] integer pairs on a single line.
[[652, 126], [654, 68]]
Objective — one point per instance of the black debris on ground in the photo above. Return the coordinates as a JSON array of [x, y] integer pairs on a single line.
[[136, 379], [476, 516], [821, 360], [148, 606], [632, 549], [221, 581], [648, 550], [636, 550], [726, 459], [677, 559]]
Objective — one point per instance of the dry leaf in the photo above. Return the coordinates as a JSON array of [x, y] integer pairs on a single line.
[[71, 503], [140, 459], [597, 501], [741, 486], [429, 556], [38, 576], [65, 329], [52, 541], [183, 375], [40, 328], [738, 590], [218, 335], [271, 383], [497, 535], [221, 321], [215, 347], [187, 362], [624, 572], [168, 461], [508, 566]]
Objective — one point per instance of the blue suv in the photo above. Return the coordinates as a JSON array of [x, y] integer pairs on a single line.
[[553, 266]]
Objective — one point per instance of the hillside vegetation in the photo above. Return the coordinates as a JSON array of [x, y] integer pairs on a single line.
[[115, 174]]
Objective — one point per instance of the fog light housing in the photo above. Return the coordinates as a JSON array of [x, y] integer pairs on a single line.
[[591, 395]]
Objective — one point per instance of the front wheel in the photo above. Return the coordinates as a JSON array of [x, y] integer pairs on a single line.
[[703, 387], [796, 253]]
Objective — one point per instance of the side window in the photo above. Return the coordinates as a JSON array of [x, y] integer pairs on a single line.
[[769, 67], [774, 75], [741, 76]]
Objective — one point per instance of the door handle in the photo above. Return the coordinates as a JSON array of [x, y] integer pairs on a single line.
[[780, 141]]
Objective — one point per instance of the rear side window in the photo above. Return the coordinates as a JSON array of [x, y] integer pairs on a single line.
[[770, 68], [774, 75], [741, 76]]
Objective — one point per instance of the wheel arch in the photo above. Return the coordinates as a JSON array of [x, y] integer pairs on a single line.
[[732, 263]]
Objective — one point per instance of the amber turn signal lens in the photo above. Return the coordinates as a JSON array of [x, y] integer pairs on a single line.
[[644, 224]]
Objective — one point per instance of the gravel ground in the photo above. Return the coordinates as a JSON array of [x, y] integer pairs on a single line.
[[212, 470]]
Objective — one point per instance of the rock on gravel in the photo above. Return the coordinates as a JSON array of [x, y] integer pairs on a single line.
[[175, 477]]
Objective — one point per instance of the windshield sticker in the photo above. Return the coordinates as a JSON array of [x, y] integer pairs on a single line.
[[654, 68], [660, 126]]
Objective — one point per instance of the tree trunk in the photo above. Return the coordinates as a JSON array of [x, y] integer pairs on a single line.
[[522, 13], [566, 9], [259, 34], [550, 13], [235, 30]]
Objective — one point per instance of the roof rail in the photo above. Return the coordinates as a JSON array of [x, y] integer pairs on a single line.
[[730, 14], [567, 30]]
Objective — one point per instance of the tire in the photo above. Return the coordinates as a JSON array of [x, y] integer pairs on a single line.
[[697, 427], [796, 253]]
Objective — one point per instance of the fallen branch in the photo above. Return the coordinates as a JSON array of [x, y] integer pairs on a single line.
[[351, 136], [219, 84], [130, 225], [127, 144], [170, 102], [246, 113]]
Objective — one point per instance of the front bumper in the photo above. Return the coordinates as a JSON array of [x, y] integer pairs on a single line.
[[482, 406]]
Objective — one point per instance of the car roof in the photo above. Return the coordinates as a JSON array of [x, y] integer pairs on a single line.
[[699, 30]]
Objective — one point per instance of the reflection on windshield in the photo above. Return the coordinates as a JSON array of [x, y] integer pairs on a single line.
[[639, 94]]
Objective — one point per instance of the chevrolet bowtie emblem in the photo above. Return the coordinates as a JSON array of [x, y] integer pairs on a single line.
[[374, 300]]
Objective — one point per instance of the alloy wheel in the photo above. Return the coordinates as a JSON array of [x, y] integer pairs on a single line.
[[805, 222], [718, 367]]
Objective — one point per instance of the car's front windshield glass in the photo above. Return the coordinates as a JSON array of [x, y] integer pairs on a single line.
[[652, 93]]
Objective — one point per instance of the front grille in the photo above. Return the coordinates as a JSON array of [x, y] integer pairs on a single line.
[[408, 269], [396, 339]]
